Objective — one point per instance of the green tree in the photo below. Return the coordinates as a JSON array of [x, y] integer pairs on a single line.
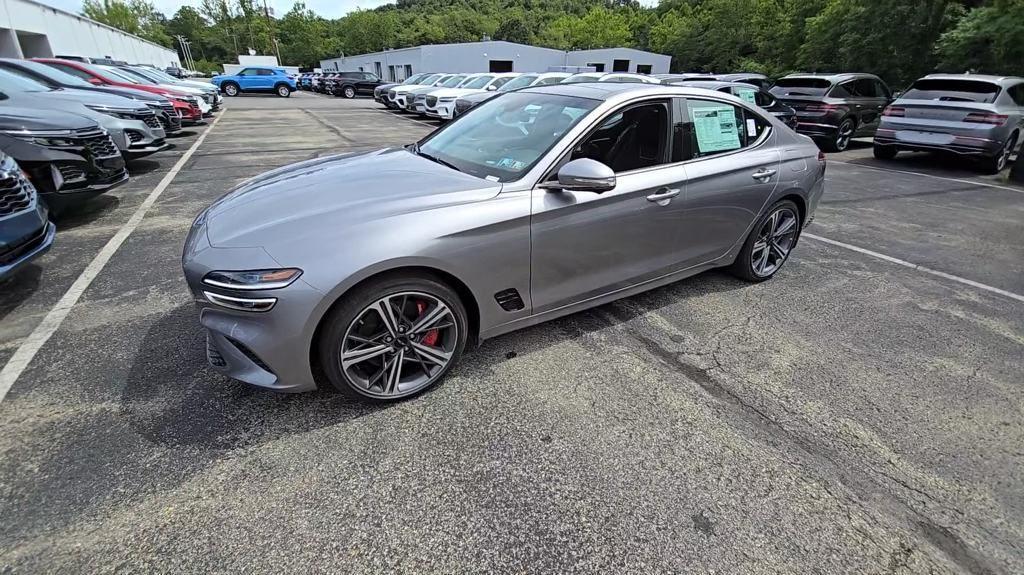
[[988, 39], [305, 37], [599, 28], [513, 29], [137, 17]]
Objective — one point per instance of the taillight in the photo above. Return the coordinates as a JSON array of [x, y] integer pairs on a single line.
[[823, 108], [894, 111], [821, 157], [986, 118]]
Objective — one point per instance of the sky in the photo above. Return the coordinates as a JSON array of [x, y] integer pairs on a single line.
[[325, 8]]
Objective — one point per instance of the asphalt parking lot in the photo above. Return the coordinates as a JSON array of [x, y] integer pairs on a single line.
[[855, 414]]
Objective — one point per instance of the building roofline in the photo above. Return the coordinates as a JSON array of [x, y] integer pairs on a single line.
[[100, 24], [483, 42]]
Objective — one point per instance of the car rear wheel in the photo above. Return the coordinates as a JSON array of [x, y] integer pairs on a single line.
[[996, 163], [885, 152], [349, 92], [283, 90], [393, 338], [231, 89], [844, 133], [769, 244]]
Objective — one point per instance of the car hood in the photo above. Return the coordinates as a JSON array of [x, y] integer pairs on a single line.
[[79, 97], [180, 88], [477, 97], [129, 93], [350, 188], [403, 88], [13, 118]]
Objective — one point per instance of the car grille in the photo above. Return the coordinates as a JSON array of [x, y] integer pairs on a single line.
[[420, 98], [133, 136], [391, 95], [431, 101], [15, 195], [152, 121], [98, 142], [70, 173]]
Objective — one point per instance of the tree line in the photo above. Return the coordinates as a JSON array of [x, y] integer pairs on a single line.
[[899, 40]]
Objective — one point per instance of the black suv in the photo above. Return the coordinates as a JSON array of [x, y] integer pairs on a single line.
[[69, 158], [348, 84], [25, 229], [834, 108]]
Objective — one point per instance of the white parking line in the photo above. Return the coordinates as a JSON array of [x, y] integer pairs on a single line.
[[55, 317], [393, 114], [958, 180], [917, 267]]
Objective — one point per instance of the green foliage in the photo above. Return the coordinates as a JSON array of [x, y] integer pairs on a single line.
[[898, 39], [988, 39], [137, 17]]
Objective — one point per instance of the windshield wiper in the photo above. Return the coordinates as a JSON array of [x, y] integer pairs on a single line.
[[416, 150]]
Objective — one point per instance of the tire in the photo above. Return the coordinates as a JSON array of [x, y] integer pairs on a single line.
[[282, 90], [231, 89], [995, 164], [348, 92], [745, 267], [841, 141], [354, 316], [885, 152]]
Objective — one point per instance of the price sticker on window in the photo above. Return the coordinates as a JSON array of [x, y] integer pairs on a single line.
[[715, 127], [747, 95]]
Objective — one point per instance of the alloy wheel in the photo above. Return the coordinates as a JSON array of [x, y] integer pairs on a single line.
[[283, 91], [230, 90], [775, 239], [399, 344], [350, 92], [1004, 155], [844, 135]]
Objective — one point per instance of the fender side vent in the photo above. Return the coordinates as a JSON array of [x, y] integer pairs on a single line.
[[509, 300]]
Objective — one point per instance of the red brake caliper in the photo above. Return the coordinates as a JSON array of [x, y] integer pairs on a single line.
[[430, 338]]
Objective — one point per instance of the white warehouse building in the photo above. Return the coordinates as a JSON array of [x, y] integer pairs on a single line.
[[496, 56], [29, 29]]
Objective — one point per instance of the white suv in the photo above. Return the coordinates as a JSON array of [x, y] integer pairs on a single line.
[[440, 104]]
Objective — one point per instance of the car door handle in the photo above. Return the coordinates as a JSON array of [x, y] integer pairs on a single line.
[[662, 195], [763, 174]]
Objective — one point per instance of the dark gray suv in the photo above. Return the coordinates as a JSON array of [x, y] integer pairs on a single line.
[[834, 108]]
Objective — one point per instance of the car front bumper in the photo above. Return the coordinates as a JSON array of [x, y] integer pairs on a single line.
[[441, 111], [24, 236], [268, 349]]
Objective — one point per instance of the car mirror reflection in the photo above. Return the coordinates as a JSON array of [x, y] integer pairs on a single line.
[[583, 175]]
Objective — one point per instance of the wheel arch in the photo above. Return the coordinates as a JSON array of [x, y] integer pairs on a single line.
[[801, 204], [466, 295]]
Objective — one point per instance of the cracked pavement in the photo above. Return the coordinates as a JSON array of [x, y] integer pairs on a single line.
[[848, 416]]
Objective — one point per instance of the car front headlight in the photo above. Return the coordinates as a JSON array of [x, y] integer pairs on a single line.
[[48, 138], [446, 99], [122, 113], [252, 279]]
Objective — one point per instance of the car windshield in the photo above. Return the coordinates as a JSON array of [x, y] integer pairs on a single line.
[[58, 76], [516, 83], [478, 82], [801, 87], [413, 79], [430, 80], [453, 81], [580, 79], [115, 75], [11, 82], [953, 91], [157, 75], [506, 136]]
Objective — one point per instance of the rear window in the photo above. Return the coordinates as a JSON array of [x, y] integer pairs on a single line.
[[953, 91], [801, 87]]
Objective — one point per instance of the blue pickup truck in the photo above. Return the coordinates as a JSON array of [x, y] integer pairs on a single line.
[[256, 79]]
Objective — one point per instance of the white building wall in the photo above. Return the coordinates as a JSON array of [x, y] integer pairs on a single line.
[[659, 63], [45, 31], [477, 56]]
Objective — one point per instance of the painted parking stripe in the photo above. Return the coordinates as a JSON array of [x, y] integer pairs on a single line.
[[917, 267], [957, 180], [55, 317], [397, 115]]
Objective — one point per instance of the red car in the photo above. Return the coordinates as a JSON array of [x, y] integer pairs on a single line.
[[184, 104]]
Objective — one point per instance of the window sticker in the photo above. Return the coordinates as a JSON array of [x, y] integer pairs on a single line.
[[716, 128], [751, 127], [746, 95]]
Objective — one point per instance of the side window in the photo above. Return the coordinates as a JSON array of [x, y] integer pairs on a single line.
[[746, 94], [248, 72], [881, 90], [711, 128], [265, 72], [1017, 94], [370, 77], [841, 90], [500, 82], [764, 99], [633, 138]]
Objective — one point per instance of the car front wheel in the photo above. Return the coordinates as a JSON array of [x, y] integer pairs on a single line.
[[883, 152], [231, 89], [393, 338], [769, 244]]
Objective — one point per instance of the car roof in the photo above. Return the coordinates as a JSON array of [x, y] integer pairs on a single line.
[[712, 84], [832, 76], [618, 90], [1001, 80]]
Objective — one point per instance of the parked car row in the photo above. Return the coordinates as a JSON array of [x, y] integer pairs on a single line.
[[344, 84], [67, 130], [967, 114], [256, 79]]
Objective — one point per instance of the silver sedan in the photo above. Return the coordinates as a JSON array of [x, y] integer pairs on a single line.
[[968, 114], [377, 268]]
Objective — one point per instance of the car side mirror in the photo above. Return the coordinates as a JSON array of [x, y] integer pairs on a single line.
[[583, 175], [95, 81], [491, 88]]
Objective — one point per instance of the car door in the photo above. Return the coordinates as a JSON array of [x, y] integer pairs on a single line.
[[247, 79], [367, 83], [265, 79], [732, 168], [586, 244], [868, 104]]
